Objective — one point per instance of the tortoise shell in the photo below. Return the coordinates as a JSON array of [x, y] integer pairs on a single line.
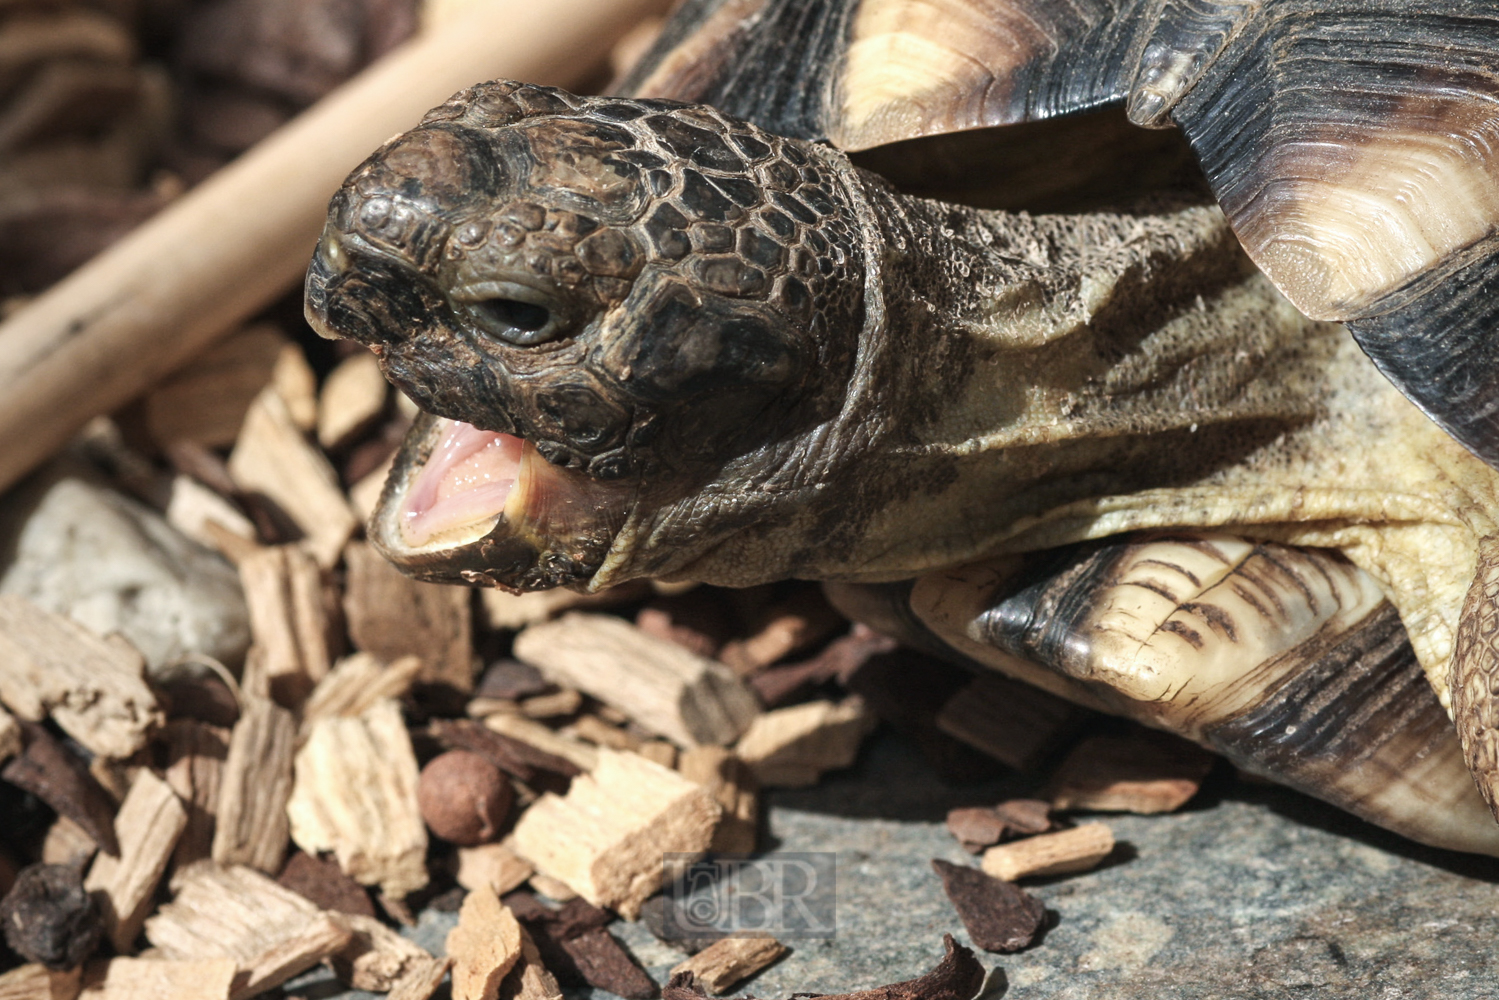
[[1353, 144]]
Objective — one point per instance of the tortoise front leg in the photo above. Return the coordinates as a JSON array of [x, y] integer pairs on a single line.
[[1475, 674], [1288, 661]]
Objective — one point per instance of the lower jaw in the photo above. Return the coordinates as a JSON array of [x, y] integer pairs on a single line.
[[555, 529]]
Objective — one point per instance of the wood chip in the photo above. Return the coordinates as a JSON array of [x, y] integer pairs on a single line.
[[606, 838], [595, 730], [356, 682], [323, 883], [67, 843], [979, 827], [511, 680], [422, 981], [998, 916], [296, 384], [789, 627], [1075, 850], [10, 736], [206, 399], [494, 865], [392, 615], [251, 827], [553, 888], [272, 459], [516, 611], [534, 734], [658, 751], [37, 982], [195, 756], [736, 790], [288, 622], [376, 957], [793, 747], [46, 769], [353, 397], [1014, 723], [210, 520], [1147, 773], [976, 827], [156, 979], [484, 946], [364, 496], [552, 706], [727, 962], [93, 688], [687, 698], [355, 795], [529, 979], [147, 826], [516, 757], [271, 933], [604, 964]]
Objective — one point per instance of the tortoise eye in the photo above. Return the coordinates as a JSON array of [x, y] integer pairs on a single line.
[[515, 321]]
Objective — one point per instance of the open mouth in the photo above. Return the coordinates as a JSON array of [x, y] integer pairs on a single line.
[[464, 484], [465, 505]]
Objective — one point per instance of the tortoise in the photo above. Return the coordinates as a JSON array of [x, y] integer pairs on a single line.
[[1119, 447]]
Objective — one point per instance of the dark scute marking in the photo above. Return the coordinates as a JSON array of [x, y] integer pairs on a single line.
[[619, 112], [609, 252], [660, 182], [539, 101], [760, 249], [1349, 700], [581, 415], [684, 349], [665, 227], [1441, 350], [703, 199], [817, 199], [750, 147], [1173, 567], [1217, 619], [696, 145], [778, 223], [794, 296], [713, 238], [742, 192], [727, 276], [1185, 631]]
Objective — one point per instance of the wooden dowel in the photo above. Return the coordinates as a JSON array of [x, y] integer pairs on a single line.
[[135, 312]]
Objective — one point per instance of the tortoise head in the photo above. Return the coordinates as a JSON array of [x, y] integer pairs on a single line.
[[606, 307]]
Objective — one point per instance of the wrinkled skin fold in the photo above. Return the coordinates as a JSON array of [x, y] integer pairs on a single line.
[[696, 350]]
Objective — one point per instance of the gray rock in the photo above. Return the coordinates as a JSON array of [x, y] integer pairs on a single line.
[[114, 565]]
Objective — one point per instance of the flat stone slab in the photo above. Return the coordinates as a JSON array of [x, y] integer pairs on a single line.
[[1252, 893]]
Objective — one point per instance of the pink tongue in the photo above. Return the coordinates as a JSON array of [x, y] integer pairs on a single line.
[[468, 479]]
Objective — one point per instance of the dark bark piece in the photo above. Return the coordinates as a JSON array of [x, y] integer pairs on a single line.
[[552, 929], [1025, 817], [976, 827], [653, 915], [998, 916], [1143, 772], [604, 963], [957, 977], [201, 697], [519, 760], [513, 680], [50, 918], [47, 770], [697, 620], [323, 882], [840, 659]]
